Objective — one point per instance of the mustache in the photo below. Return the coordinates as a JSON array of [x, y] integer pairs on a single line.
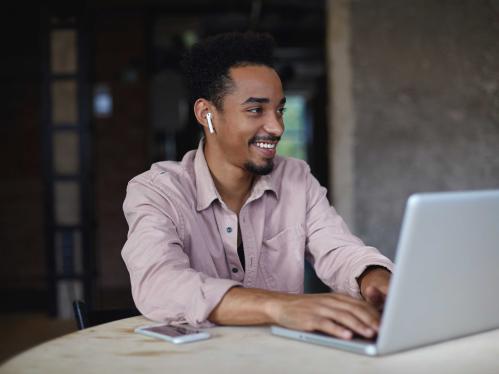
[[268, 138]]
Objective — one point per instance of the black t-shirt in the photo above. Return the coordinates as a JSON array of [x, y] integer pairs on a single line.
[[240, 253]]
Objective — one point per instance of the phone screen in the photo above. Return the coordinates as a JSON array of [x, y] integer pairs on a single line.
[[172, 331]]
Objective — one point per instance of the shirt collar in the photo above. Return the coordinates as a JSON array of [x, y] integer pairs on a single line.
[[205, 187]]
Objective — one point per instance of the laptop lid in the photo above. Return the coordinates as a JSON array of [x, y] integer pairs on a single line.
[[446, 280]]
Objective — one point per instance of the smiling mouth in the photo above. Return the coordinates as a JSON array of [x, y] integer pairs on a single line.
[[264, 145]]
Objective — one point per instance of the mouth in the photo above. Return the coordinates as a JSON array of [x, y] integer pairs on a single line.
[[265, 145], [267, 148]]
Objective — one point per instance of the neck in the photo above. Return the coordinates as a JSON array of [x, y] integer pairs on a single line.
[[233, 183]]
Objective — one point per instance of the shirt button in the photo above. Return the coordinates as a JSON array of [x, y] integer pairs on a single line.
[[235, 270], [229, 230]]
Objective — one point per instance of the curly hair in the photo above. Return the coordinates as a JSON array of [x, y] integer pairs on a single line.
[[206, 65]]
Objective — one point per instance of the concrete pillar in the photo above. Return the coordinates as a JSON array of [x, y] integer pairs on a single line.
[[341, 110]]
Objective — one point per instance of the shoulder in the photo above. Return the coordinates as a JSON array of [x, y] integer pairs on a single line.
[[166, 177], [289, 168]]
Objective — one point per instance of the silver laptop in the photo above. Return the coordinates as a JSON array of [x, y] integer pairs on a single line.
[[446, 279]]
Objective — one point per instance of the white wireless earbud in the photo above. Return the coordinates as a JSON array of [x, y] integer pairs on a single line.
[[210, 124]]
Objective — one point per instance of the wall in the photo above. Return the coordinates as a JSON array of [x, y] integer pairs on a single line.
[[118, 151], [120, 142], [22, 266], [425, 92]]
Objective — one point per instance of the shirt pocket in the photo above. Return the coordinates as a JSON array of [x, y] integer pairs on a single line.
[[283, 260]]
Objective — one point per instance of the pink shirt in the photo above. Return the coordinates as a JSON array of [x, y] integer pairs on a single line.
[[181, 250]]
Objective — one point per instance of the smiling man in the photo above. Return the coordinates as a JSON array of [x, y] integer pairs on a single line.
[[222, 236]]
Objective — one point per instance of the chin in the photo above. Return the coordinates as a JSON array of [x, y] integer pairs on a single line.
[[264, 169]]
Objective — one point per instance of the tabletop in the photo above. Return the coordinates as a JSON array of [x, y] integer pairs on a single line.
[[114, 347]]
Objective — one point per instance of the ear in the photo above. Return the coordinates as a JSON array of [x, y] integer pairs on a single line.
[[201, 108]]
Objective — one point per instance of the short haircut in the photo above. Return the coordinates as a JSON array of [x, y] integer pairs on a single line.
[[206, 65]]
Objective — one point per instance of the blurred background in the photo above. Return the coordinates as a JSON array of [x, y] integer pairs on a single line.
[[385, 98]]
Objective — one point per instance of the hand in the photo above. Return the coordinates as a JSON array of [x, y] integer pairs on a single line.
[[334, 314], [373, 285]]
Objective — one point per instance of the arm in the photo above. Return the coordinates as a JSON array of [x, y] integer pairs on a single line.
[[338, 256], [164, 286], [334, 314]]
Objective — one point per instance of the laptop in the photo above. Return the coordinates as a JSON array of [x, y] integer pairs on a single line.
[[446, 279]]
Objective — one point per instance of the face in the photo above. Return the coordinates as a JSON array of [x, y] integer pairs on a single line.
[[251, 122]]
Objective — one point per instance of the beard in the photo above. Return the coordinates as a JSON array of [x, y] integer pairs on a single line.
[[260, 169]]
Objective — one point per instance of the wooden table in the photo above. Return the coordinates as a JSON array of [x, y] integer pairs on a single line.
[[115, 348]]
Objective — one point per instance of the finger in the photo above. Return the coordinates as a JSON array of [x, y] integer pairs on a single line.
[[350, 321], [358, 302], [359, 308], [331, 328], [362, 310], [344, 316]]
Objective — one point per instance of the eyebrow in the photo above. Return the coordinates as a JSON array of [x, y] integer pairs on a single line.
[[261, 100]]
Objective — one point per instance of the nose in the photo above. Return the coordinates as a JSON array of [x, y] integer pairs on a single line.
[[274, 125]]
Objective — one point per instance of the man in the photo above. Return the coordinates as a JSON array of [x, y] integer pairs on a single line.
[[221, 237]]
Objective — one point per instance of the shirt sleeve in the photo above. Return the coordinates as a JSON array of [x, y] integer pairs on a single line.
[[338, 256], [164, 286]]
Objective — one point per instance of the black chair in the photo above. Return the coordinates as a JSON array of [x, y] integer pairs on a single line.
[[87, 318]]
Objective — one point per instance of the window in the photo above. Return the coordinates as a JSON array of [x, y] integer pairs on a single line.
[[295, 138]]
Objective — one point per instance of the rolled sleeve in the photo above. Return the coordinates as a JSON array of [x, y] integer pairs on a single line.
[[164, 286], [338, 256]]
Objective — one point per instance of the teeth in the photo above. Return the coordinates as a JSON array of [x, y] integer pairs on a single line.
[[265, 145]]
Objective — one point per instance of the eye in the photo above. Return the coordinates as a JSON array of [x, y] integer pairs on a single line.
[[255, 110], [281, 111]]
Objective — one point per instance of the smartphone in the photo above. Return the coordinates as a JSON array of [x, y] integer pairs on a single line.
[[173, 334]]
